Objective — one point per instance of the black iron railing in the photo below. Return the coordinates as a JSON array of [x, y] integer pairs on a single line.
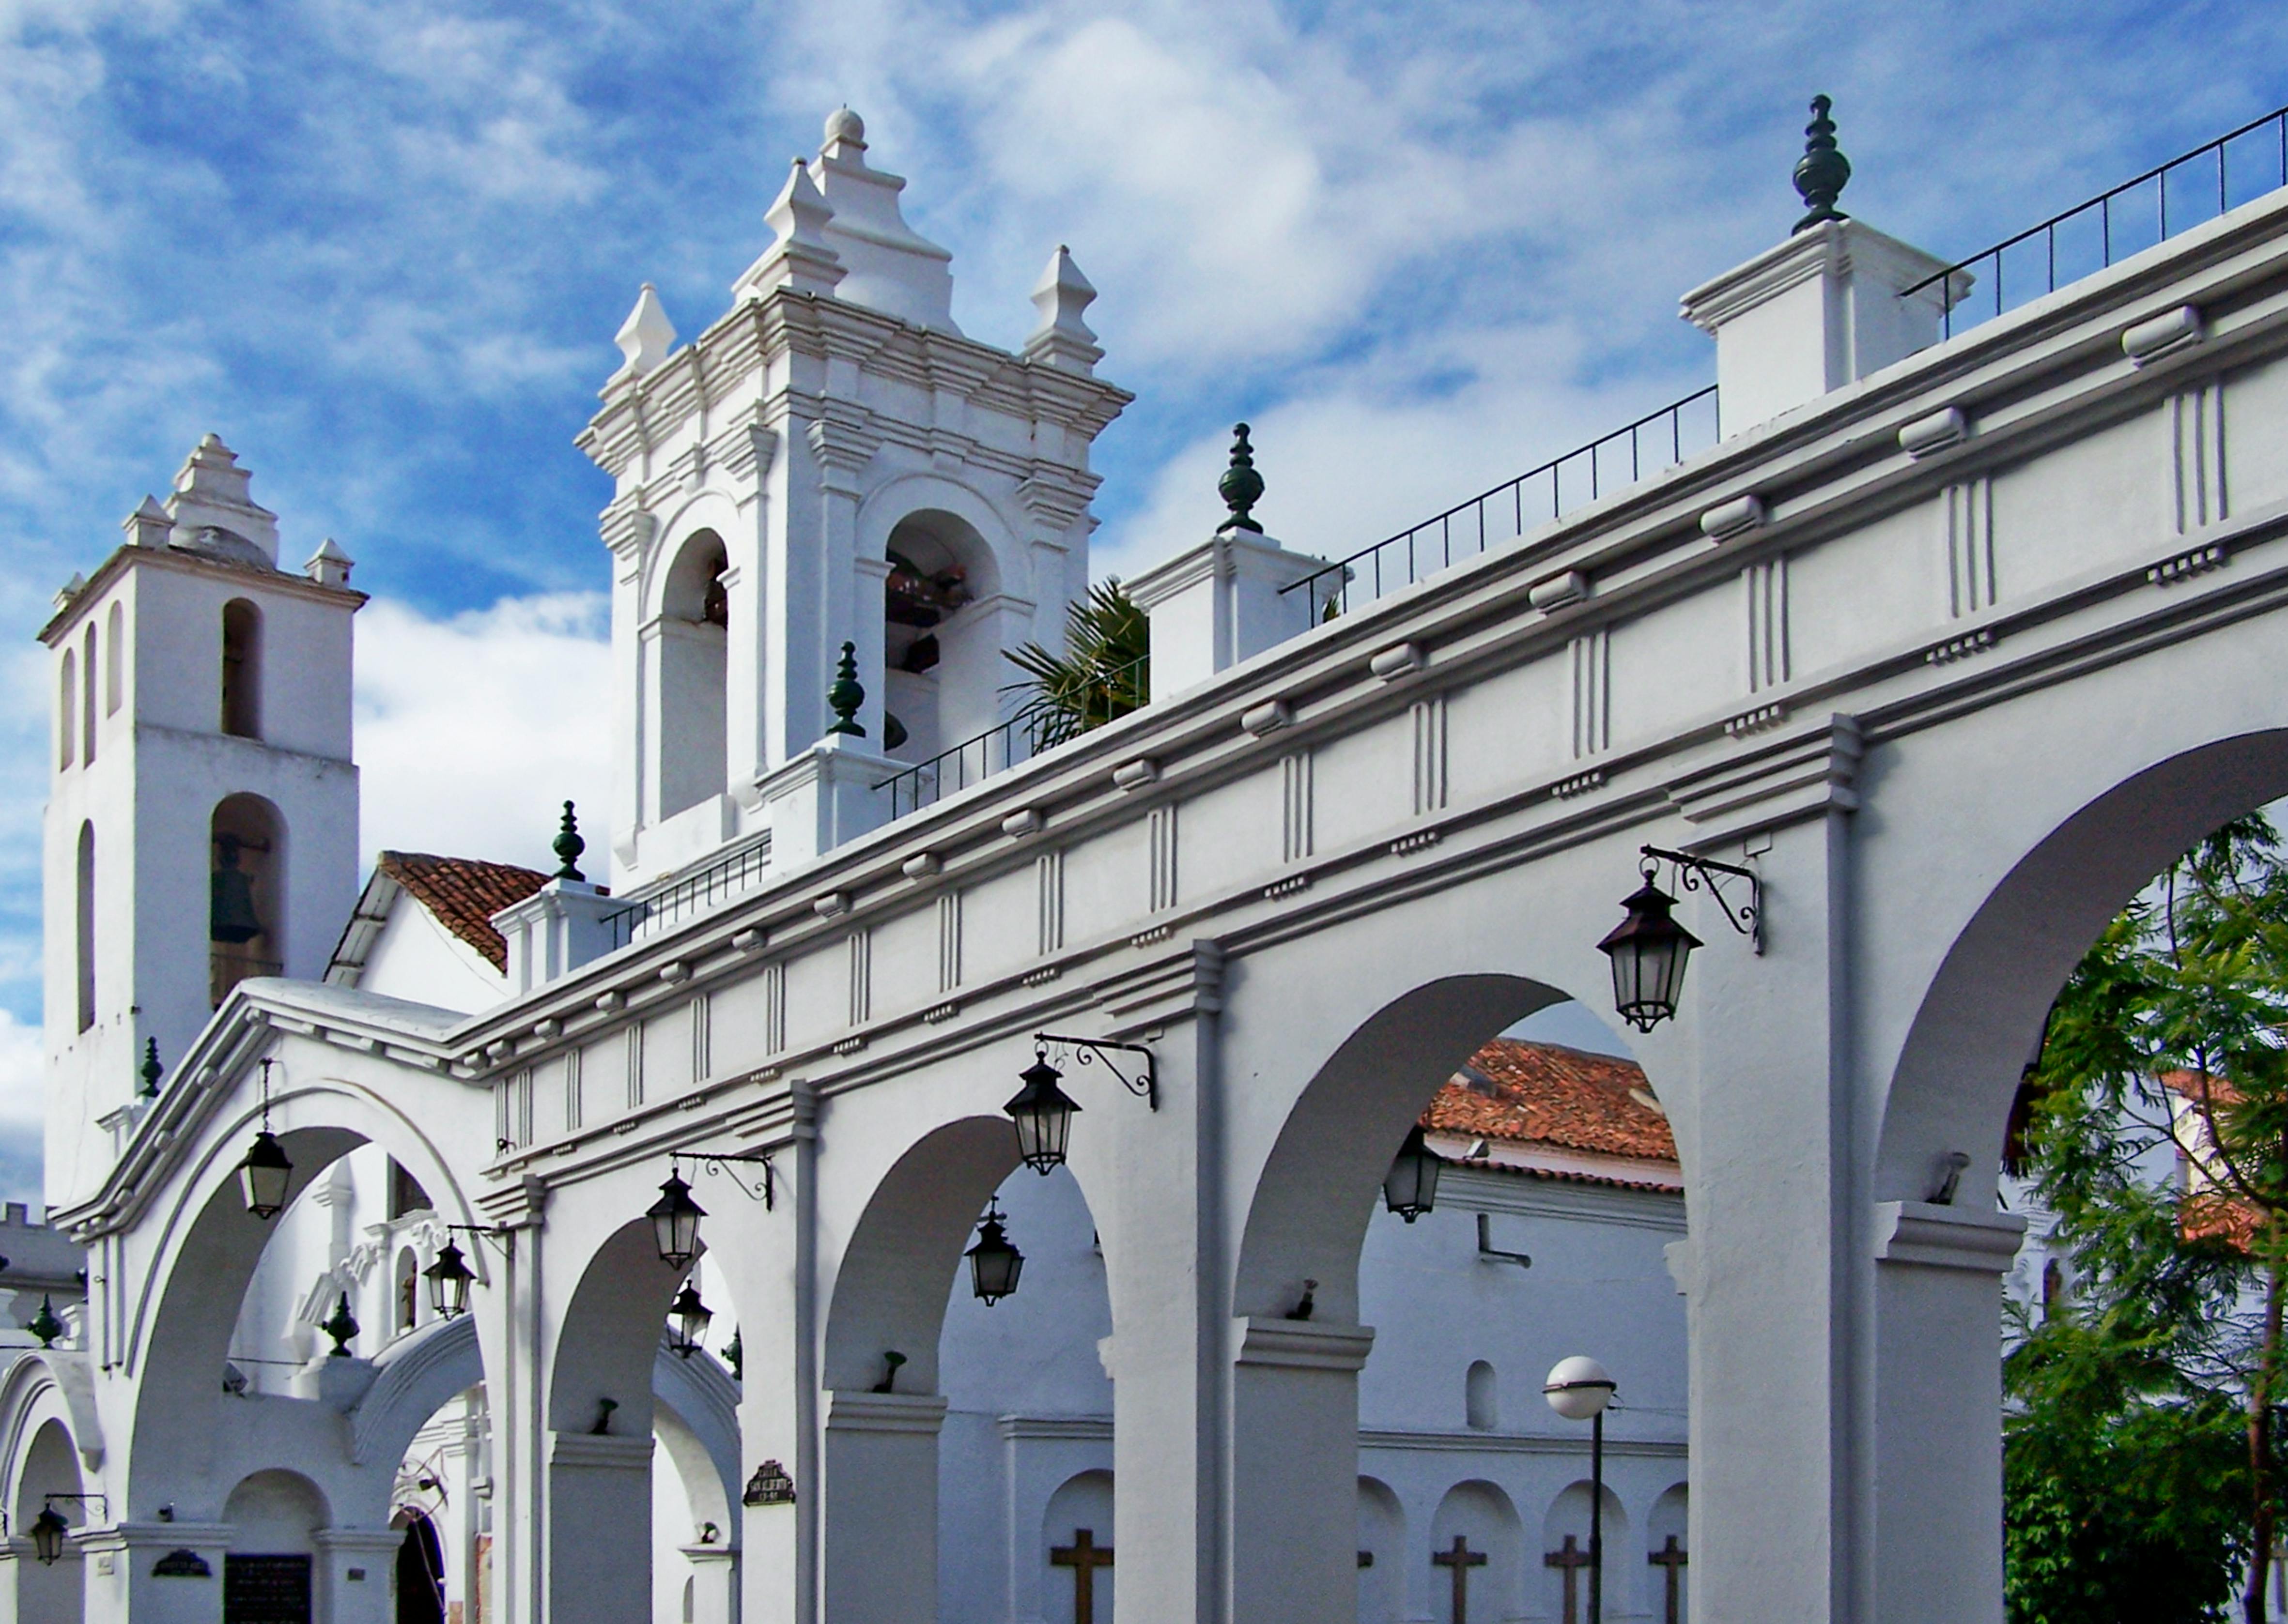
[[1656, 440], [2188, 189], [1038, 727], [725, 878]]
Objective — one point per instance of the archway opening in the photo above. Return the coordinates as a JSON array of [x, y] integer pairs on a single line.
[[691, 634], [242, 669], [51, 1468], [269, 1568], [943, 670], [420, 1573], [246, 894]]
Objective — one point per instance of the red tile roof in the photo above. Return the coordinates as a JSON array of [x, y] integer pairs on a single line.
[[465, 893], [1540, 1093]]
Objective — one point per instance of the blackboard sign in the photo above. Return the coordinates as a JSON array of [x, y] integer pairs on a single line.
[[265, 1589]]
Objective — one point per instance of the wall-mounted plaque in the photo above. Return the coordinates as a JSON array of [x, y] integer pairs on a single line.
[[182, 1564], [265, 1589]]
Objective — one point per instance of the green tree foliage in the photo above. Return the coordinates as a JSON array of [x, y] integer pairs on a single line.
[[1105, 672], [2141, 1463]]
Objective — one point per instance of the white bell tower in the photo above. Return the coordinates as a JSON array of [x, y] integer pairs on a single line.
[[202, 808], [832, 460]]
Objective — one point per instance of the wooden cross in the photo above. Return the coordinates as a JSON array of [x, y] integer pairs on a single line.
[[1460, 1560], [1083, 1557], [1672, 1556], [1571, 1559]]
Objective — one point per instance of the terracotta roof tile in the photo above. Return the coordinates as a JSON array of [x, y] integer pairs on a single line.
[[465, 893], [1544, 1094]]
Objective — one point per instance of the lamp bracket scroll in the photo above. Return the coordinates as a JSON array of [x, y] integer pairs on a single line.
[[727, 1162], [501, 1235], [1145, 1085], [1701, 873]]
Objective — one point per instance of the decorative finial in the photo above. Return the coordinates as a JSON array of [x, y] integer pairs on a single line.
[[1823, 170], [844, 695], [151, 1070], [341, 1324], [567, 846], [1240, 487]]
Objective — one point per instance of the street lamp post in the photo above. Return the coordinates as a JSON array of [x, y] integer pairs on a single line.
[[1579, 1388]]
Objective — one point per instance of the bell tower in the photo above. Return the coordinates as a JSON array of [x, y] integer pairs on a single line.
[[201, 818]]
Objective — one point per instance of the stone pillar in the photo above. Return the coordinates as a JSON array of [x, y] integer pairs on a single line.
[[555, 931], [881, 1506], [1294, 1472], [715, 1588], [598, 1525], [354, 1574], [148, 1572], [1937, 1534], [1220, 604], [1814, 313]]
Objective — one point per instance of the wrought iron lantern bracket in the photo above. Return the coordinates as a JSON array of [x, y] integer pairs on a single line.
[[727, 1162], [1145, 1085], [501, 1235], [1701, 873]]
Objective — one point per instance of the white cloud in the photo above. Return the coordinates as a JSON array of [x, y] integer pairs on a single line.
[[22, 1110], [472, 730]]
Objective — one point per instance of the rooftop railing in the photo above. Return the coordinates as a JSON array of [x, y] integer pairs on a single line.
[[728, 877], [2172, 197], [1658, 440], [1036, 728]]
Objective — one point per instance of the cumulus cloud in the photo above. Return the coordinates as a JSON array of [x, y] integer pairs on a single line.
[[474, 729]]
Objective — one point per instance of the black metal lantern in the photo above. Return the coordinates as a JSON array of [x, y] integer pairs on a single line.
[[994, 1263], [449, 1280], [1410, 1188], [675, 1222], [262, 1177], [1648, 950], [48, 1532], [1044, 1113], [692, 1319]]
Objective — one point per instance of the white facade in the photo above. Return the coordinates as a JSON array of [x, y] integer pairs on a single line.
[[1955, 653]]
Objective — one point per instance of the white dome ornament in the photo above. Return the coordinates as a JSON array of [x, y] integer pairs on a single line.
[[1578, 1388]]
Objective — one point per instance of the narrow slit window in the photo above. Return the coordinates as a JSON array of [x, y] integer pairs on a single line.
[[242, 669], [67, 711], [114, 672]]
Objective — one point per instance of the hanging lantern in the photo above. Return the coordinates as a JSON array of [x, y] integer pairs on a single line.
[[1410, 1188], [691, 1318], [48, 1532], [675, 1222], [262, 1177], [1648, 950], [994, 1265], [1044, 1113], [449, 1280]]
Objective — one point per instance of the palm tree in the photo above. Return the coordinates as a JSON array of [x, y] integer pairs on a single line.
[[1105, 672]]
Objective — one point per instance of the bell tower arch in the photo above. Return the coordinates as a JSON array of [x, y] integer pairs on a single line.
[[203, 808]]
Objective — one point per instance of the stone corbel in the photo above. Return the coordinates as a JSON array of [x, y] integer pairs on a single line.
[[1792, 778], [1183, 982], [629, 528], [1303, 1344], [1934, 1237], [843, 450], [522, 1205]]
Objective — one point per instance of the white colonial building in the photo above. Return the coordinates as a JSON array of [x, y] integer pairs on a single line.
[[1902, 662]]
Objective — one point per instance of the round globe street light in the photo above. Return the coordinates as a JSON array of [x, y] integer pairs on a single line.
[[692, 1319], [1579, 1388], [994, 1263], [675, 1222], [1648, 950], [48, 1532], [1044, 1113], [1410, 1188], [449, 1280]]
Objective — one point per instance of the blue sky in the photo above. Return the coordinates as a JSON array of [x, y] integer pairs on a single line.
[[381, 246]]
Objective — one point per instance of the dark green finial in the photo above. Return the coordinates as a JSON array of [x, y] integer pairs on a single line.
[[844, 695], [45, 1323], [567, 846], [341, 1324], [1823, 170], [151, 1070], [735, 1355], [1240, 487]]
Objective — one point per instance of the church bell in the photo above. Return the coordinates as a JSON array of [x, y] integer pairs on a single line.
[[230, 909]]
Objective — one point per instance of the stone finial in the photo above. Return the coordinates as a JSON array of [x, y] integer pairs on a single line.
[[330, 565], [72, 589], [214, 512], [341, 1324], [1822, 171], [646, 336], [151, 1070], [844, 695], [45, 1324], [1063, 339], [567, 846], [801, 259], [1240, 487], [845, 128], [148, 526]]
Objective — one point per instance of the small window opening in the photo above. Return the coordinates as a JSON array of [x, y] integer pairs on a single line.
[[67, 711], [87, 700], [409, 1290], [242, 669], [245, 932], [1478, 1397], [114, 659], [85, 925]]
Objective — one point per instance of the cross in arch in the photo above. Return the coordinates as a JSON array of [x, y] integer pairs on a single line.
[[1459, 1561], [1083, 1557], [1673, 1556], [1572, 1559]]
